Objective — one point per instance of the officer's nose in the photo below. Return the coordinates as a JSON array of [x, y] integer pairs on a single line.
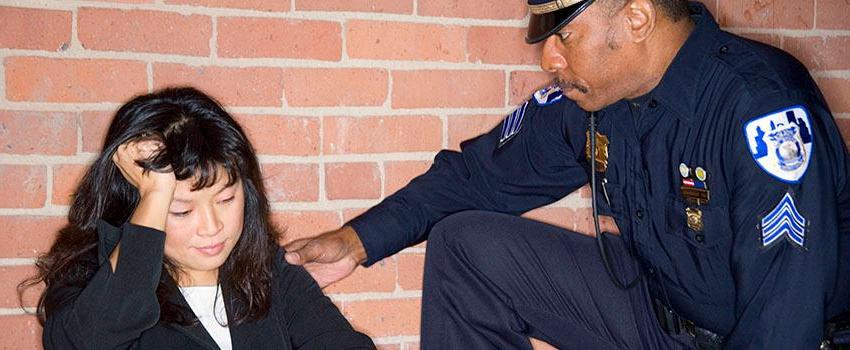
[[552, 60]]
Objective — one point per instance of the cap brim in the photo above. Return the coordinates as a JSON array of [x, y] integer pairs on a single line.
[[542, 26]]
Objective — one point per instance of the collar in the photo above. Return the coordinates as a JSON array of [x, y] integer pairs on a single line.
[[677, 90]]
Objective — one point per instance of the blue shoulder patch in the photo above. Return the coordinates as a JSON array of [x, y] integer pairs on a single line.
[[783, 221], [781, 142], [548, 95]]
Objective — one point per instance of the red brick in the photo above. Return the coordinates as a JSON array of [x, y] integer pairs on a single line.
[[38, 133], [291, 182], [40, 79], [20, 332], [12, 276], [232, 86], [770, 39], [346, 135], [300, 224], [448, 88], [832, 14], [378, 278], [410, 269], [584, 221], [144, 31], [53, 29], [93, 126], [412, 346], [473, 9], [384, 318], [525, 83], [409, 41], [287, 38], [584, 191], [352, 181], [384, 6], [537, 344], [282, 135], [784, 14], [24, 186], [259, 5], [66, 178], [28, 236], [844, 127], [821, 53], [501, 45], [561, 217], [351, 213], [313, 87], [398, 174], [836, 91], [388, 346], [128, 1], [465, 127]]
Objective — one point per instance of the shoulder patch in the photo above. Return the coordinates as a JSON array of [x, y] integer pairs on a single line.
[[781, 142], [783, 221], [548, 95], [512, 124]]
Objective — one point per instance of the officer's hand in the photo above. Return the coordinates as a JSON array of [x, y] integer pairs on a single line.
[[328, 257]]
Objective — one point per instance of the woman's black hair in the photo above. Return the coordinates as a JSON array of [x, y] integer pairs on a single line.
[[201, 140]]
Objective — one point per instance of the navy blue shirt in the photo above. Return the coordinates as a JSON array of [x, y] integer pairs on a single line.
[[728, 180]]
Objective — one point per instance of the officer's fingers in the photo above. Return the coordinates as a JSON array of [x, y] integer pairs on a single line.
[[311, 251]]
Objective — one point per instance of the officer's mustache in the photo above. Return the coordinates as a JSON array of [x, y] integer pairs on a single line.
[[566, 85]]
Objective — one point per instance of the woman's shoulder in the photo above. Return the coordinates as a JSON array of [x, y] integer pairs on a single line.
[[288, 278]]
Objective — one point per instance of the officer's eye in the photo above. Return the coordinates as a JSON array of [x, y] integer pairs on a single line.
[[563, 35]]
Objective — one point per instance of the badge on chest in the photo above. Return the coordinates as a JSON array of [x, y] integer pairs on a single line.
[[600, 159]]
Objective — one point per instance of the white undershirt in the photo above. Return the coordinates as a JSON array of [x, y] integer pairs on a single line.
[[202, 300]]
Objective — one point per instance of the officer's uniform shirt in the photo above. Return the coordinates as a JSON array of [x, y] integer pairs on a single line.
[[758, 264]]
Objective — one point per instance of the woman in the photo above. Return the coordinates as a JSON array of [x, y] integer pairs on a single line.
[[169, 244]]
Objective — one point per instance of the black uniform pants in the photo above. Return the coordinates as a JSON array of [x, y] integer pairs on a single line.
[[493, 280]]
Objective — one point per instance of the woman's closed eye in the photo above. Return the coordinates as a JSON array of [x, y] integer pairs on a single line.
[[180, 214]]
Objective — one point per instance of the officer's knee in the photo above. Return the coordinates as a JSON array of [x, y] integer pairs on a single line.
[[472, 232]]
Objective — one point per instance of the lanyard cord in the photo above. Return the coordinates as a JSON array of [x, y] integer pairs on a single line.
[[600, 240]]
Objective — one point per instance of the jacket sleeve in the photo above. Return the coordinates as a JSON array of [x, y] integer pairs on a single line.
[[311, 320], [786, 232], [114, 308], [535, 167]]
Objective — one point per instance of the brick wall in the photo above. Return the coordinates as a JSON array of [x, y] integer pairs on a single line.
[[345, 100]]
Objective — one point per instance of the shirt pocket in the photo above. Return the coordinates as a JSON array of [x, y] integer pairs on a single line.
[[700, 258]]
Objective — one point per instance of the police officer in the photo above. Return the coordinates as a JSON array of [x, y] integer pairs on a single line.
[[715, 157]]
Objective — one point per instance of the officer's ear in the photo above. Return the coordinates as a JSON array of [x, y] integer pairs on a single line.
[[640, 19]]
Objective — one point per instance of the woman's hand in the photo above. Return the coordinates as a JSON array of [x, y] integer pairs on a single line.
[[156, 189]]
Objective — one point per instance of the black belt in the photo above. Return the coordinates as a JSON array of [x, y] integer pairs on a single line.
[[674, 324]]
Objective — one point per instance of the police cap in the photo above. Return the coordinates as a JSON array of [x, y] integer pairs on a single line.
[[549, 16]]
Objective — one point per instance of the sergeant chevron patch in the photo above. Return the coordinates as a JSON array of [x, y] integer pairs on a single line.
[[512, 123], [783, 221]]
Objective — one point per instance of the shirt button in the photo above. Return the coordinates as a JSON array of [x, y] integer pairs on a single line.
[[700, 237], [639, 214], [652, 103], [651, 270], [724, 49]]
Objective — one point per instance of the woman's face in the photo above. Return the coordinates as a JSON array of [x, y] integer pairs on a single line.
[[202, 228]]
